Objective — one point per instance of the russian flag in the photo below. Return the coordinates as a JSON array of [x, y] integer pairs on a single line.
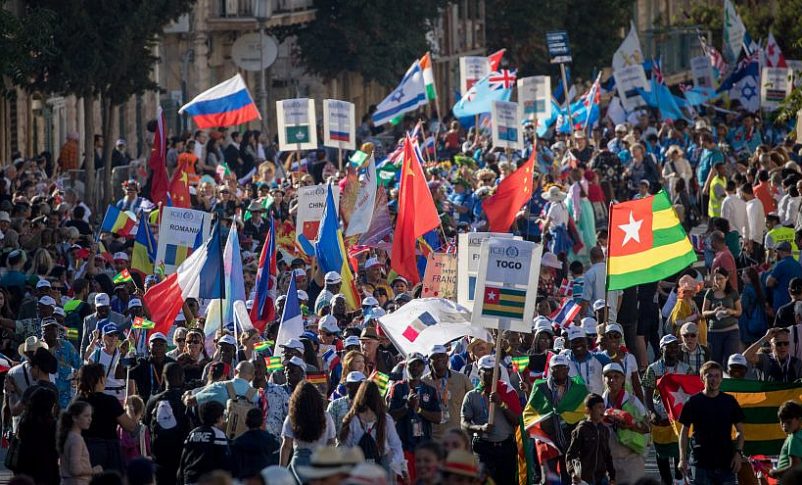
[[567, 312], [343, 136], [227, 104]]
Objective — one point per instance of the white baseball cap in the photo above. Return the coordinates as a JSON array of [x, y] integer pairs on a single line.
[[437, 349], [613, 367], [487, 362], [614, 327], [589, 324], [298, 272], [102, 299], [59, 311], [120, 256], [227, 339], [295, 360], [737, 359], [558, 360], [134, 302], [328, 323], [160, 336], [599, 304], [370, 301], [688, 327], [302, 295], [575, 332], [47, 301], [371, 262], [355, 376], [293, 343], [667, 340], [42, 284], [332, 277], [352, 340], [543, 324]]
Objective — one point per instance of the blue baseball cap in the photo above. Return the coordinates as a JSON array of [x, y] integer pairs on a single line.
[[110, 328]]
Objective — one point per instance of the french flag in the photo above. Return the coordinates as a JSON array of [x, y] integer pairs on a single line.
[[227, 104], [567, 312], [263, 310]]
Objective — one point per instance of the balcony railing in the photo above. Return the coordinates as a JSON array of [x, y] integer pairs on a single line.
[[252, 8]]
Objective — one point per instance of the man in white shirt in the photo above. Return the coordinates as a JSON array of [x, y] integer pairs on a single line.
[[595, 280], [733, 209], [756, 223]]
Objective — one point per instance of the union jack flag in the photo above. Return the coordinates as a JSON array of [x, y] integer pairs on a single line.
[[716, 59], [503, 79], [657, 72]]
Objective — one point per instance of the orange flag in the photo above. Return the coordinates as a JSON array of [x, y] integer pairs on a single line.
[[417, 215], [511, 194]]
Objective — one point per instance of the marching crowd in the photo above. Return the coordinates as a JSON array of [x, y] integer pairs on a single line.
[[90, 399]]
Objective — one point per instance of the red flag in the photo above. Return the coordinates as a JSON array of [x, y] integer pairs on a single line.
[[494, 59], [675, 389], [157, 163], [417, 215], [179, 184], [511, 194], [263, 309]]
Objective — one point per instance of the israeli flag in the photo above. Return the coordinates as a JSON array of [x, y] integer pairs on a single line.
[[409, 95]]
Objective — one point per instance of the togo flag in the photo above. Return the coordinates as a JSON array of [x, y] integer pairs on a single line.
[[409, 95]]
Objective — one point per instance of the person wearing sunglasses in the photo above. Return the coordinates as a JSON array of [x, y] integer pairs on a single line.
[[693, 353], [778, 365]]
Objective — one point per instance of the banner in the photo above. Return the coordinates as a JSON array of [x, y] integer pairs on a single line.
[[506, 125], [311, 202], [181, 231], [796, 67], [508, 271], [440, 280], [339, 124], [775, 86], [468, 245], [702, 72], [627, 82], [296, 124], [734, 31], [534, 96], [362, 215], [471, 69]]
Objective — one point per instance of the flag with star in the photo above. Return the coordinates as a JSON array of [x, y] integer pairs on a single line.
[[179, 184], [646, 243], [511, 194]]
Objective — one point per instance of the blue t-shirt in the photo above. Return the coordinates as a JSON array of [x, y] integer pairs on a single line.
[[405, 425], [783, 271], [707, 160]]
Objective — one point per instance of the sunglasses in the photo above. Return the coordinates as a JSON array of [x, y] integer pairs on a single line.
[[180, 340], [689, 335], [781, 344]]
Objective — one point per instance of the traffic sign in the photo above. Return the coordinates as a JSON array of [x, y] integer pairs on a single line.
[[558, 46]]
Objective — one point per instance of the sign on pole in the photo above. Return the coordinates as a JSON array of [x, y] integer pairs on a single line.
[[339, 124], [534, 96], [468, 245], [506, 124], [702, 72], [297, 128], [181, 231], [471, 69], [558, 46], [508, 272], [627, 81], [311, 202], [440, 280], [775, 86]]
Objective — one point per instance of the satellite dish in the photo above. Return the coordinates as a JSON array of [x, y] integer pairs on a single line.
[[246, 49]]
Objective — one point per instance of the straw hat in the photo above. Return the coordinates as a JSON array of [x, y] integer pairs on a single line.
[[461, 462], [554, 194]]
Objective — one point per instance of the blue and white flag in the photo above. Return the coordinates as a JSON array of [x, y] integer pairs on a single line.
[[743, 83], [409, 95], [496, 86]]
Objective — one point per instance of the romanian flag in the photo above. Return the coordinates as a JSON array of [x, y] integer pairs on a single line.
[[504, 302], [144, 253], [118, 222], [511, 194], [273, 364], [647, 242], [141, 323], [123, 276], [539, 408], [759, 401]]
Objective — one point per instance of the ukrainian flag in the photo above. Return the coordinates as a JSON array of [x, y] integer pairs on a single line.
[[144, 253]]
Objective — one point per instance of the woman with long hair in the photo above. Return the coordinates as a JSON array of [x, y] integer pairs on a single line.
[[722, 309], [753, 321], [101, 436], [76, 468], [194, 358], [37, 438], [368, 415], [307, 427], [354, 360], [247, 341]]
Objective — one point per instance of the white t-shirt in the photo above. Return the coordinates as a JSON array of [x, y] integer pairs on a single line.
[[756, 221], [328, 434], [114, 387], [733, 208], [558, 214]]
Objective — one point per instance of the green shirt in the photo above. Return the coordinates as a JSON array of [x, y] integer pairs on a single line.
[[792, 446]]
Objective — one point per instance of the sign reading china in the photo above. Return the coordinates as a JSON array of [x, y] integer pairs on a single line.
[[508, 271], [338, 124], [181, 231], [440, 280], [297, 129], [311, 202], [468, 245]]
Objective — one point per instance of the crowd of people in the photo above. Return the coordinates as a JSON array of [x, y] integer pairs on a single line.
[[90, 399]]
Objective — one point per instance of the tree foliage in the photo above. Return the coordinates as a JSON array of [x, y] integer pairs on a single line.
[[24, 40], [377, 38], [593, 28]]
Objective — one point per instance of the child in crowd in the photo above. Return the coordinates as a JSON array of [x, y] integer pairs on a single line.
[[577, 280], [134, 443], [588, 457], [790, 415], [429, 457]]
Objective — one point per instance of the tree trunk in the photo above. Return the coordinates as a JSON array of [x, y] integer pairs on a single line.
[[109, 123], [89, 163]]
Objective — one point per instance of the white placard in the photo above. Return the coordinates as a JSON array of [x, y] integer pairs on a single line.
[[506, 125], [311, 202], [507, 284], [627, 80], [468, 245], [702, 72], [339, 124], [534, 96], [795, 66], [471, 69], [297, 128], [775, 86], [440, 279], [179, 235]]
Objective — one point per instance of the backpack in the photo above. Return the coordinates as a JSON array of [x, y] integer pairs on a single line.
[[368, 445], [237, 408], [164, 433]]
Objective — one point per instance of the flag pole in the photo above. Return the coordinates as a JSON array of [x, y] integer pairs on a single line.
[[494, 386], [340, 157], [607, 265], [423, 132]]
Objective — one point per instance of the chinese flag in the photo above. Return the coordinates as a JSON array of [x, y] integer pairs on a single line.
[[417, 215], [511, 194]]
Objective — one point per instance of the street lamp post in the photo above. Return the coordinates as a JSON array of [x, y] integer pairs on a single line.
[[262, 11]]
